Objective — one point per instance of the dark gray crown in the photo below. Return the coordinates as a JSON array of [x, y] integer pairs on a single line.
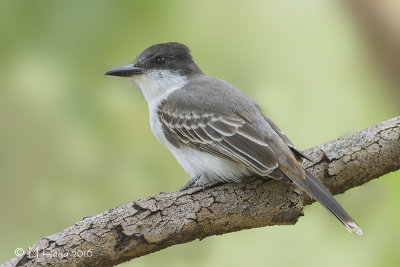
[[178, 58]]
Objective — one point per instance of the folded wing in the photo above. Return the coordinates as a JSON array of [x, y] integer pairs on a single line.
[[230, 137]]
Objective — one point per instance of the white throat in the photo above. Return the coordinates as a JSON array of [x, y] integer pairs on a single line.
[[156, 85]]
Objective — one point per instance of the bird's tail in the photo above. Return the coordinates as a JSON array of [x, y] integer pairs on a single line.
[[321, 194]]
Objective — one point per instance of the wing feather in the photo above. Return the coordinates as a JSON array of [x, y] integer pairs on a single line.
[[299, 155], [202, 134], [231, 137]]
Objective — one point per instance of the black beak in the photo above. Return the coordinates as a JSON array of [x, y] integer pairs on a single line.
[[126, 71]]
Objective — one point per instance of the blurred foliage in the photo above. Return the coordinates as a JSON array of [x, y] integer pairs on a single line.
[[74, 143]]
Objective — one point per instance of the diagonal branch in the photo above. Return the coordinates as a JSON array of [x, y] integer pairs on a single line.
[[167, 219]]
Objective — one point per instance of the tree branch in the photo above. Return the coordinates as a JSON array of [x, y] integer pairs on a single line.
[[167, 219]]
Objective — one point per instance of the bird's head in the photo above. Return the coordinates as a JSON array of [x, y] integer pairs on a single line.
[[159, 67]]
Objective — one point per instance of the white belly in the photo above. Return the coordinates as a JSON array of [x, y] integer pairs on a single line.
[[194, 162]]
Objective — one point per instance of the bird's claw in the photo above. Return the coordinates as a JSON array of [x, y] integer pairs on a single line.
[[191, 182]]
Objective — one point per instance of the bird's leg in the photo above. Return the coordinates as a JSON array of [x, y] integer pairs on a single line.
[[191, 182], [203, 185]]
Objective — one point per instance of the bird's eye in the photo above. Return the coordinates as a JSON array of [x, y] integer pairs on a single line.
[[161, 61]]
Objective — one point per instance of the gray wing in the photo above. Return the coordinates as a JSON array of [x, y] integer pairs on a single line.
[[227, 136], [299, 155]]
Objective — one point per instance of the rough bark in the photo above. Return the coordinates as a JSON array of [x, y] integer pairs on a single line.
[[167, 219]]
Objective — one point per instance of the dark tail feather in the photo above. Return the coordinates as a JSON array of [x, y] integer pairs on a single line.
[[321, 194]]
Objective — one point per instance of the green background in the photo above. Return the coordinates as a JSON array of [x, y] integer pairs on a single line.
[[74, 143]]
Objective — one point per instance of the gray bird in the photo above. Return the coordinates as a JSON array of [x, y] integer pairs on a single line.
[[215, 131]]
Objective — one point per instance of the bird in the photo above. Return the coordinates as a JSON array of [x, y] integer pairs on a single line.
[[215, 131]]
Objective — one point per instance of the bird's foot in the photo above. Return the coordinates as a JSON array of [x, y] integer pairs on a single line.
[[191, 182], [203, 185]]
